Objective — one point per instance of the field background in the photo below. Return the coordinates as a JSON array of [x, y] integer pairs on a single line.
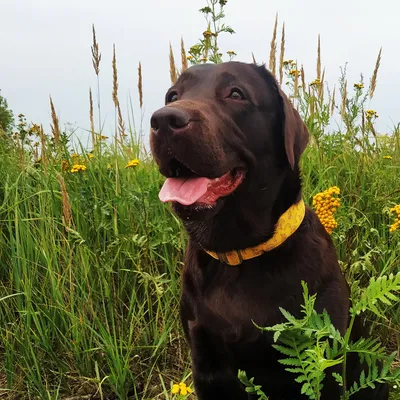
[[90, 259]]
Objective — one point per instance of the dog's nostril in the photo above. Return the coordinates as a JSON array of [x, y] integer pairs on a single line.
[[169, 118], [154, 123]]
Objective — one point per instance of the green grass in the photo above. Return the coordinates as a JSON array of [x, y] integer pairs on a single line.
[[90, 275]]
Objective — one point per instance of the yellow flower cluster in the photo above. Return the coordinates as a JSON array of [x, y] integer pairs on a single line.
[[231, 53], [396, 224], [289, 62], [387, 157], [64, 165], [78, 168], [359, 86], [371, 114], [207, 33], [294, 72], [315, 82], [132, 163], [181, 388], [325, 205]]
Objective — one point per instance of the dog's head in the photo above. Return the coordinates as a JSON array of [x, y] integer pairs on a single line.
[[226, 140]]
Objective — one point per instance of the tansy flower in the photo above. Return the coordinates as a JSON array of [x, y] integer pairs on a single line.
[[204, 59], [189, 57], [288, 62], [101, 137], [396, 224], [371, 114], [207, 33], [294, 72], [387, 157], [74, 155], [132, 163], [359, 85], [181, 388], [34, 129], [315, 82], [325, 205], [90, 155], [64, 165], [231, 53], [78, 168]]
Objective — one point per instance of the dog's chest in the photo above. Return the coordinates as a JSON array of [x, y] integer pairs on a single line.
[[232, 300]]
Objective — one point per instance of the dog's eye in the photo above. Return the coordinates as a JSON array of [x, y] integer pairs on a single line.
[[236, 94], [173, 96]]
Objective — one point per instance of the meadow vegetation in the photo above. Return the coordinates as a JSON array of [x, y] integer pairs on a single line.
[[90, 259]]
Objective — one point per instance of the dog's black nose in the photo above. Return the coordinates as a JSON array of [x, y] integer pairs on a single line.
[[169, 118]]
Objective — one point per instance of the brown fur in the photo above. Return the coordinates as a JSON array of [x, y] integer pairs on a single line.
[[206, 131]]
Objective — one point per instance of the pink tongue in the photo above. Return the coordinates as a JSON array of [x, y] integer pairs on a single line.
[[185, 191]]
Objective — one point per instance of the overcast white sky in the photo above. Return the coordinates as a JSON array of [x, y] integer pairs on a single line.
[[45, 48]]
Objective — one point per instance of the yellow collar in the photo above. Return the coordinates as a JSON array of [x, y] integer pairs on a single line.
[[287, 224]]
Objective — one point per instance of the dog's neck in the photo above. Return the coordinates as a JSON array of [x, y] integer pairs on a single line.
[[247, 221]]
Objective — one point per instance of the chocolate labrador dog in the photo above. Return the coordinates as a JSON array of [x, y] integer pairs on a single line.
[[229, 142]]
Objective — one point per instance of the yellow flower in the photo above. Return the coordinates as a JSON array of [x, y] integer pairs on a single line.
[[78, 168], [387, 157], [64, 165], [101, 137], [181, 388], [189, 57], [315, 82], [325, 205], [207, 33], [359, 85], [204, 59], [132, 163], [231, 53], [34, 129], [396, 224], [90, 155], [371, 114], [74, 155], [294, 72], [289, 62]]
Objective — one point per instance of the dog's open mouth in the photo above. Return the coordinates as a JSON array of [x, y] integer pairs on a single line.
[[187, 188]]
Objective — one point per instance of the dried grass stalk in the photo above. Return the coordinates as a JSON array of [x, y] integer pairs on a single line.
[[185, 65], [319, 58], [303, 78], [172, 66], [115, 78], [140, 85], [282, 56], [344, 100], [43, 148], [121, 125], [272, 54], [321, 86], [375, 75], [55, 127], [66, 205], [333, 100], [96, 55], [91, 117], [254, 59]]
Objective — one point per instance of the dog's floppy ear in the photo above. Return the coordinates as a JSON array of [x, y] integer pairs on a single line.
[[294, 130]]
